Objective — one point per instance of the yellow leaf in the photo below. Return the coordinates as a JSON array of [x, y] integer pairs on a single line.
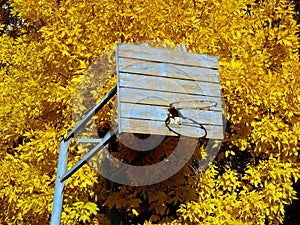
[[135, 212]]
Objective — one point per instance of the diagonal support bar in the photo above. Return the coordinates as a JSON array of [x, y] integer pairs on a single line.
[[93, 111], [89, 155]]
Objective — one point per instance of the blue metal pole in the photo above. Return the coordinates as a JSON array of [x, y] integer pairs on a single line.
[[61, 175], [59, 184]]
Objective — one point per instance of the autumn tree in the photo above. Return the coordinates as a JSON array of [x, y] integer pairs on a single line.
[[249, 182]]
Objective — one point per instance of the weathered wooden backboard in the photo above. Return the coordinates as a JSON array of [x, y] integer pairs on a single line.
[[149, 79]]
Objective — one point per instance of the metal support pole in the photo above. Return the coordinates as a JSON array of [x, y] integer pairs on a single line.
[[62, 173], [59, 185]]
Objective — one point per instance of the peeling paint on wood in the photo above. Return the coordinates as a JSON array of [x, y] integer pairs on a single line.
[[167, 56], [149, 112], [168, 70], [157, 98], [159, 128], [169, 84]]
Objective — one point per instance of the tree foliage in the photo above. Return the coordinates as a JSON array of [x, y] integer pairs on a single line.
[[251, 180]]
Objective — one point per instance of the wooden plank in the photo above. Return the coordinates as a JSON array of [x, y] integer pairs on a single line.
[[165, 55], [159, 128], [168, 70], [141, 111], [161, 98], [169, 85]]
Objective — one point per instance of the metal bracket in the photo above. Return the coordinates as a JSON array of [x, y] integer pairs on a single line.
[[62, 174]]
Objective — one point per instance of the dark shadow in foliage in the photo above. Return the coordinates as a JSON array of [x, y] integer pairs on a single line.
[[292, 215]]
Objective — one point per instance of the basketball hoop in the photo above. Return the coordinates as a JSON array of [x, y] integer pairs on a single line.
[[176, 122]]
